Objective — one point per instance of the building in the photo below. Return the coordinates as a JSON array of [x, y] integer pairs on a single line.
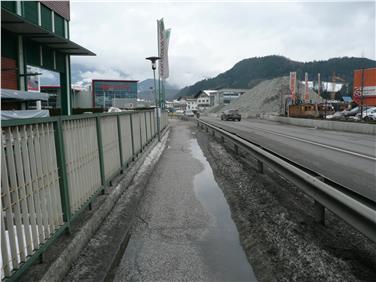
[[114, 93], [191, 104], [36, 33], [205, 99], [226, 95]]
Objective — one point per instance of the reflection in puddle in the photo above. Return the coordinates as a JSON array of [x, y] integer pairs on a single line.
[[221, 246]]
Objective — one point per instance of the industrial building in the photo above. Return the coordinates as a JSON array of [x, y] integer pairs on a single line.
[[36, 34]]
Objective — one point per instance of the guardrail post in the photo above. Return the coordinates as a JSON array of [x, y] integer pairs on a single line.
[[100, 152], [260, 166], [213, 133], [207, 129], [222, 139], [319, 213], [120, 144], [62, 171]]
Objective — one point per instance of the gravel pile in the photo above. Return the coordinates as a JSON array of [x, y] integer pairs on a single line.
[[268, 97]]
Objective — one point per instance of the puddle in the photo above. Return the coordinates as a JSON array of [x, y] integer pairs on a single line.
[[223, 252]]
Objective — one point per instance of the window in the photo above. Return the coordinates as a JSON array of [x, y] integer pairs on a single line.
[[59, 25], [46, 18], [30, 11]]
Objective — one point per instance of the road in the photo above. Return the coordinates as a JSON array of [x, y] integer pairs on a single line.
[[346, 158]]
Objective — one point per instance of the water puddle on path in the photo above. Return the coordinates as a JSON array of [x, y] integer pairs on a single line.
[[221, 246]]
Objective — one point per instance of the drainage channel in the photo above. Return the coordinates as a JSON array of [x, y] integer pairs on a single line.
[[221, 246]]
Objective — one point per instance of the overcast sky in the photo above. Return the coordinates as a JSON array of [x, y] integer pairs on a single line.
[[209, 38]]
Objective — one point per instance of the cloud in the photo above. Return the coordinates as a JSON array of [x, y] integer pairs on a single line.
[[209, 38]]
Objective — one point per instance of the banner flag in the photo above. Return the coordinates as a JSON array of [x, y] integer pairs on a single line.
[[306, 92], [163, 42], [293, 86]]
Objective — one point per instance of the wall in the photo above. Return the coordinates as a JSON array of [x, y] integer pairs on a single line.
[[326, 124], [8, 73], [60, 7]]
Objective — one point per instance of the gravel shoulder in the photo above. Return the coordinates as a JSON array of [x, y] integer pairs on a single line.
[[277, 229]]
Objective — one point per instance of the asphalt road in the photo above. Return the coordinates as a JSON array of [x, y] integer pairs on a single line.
[[346, 158]]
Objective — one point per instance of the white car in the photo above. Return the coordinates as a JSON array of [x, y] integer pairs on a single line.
[[368, 114]]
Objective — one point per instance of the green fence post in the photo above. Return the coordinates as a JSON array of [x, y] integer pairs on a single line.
[[62, 171], [120, 144], [100, 151], [142, 145], [131, 121]]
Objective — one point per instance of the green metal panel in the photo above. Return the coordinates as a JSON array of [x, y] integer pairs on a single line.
[[30, 10], [100, 149], [9, 5], [48, 58], [59, 25], [68, 30], [63, 178], [32, 53], [60, 61], [8, 44], [120, 143], [46, 17]]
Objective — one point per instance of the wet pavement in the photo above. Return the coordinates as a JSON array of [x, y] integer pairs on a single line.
[[184, 229]]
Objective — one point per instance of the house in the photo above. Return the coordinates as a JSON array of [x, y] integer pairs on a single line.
[[191, 104], [205, 98]]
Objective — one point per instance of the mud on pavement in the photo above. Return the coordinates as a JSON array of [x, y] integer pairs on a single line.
[[277, 230]]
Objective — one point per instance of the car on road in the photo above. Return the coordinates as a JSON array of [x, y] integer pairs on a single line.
[[231, 114]]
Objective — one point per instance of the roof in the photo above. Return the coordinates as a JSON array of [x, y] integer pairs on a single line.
[[20, 25], [206, 92], [19, 95]]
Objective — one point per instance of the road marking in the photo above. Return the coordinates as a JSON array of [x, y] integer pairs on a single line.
[[317, 144]]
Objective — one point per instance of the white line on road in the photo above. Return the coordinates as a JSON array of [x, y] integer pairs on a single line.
[[317, 144]]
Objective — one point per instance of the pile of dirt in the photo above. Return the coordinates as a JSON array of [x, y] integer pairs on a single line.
[[268, 97]]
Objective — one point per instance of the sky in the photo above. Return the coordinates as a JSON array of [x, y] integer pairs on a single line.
[[208, 38]]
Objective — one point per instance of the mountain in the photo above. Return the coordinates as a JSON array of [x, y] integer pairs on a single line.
[[145, 89], [249, 72]]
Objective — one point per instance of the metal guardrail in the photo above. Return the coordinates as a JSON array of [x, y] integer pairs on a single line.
[[356, 210], [53, 168]]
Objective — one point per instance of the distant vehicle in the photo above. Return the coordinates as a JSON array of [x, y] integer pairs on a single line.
[[231, 115], [368, 114], [179, 112], [189, 113]]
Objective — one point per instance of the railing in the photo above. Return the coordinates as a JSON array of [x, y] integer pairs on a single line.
[[53, 168], [356, 210]]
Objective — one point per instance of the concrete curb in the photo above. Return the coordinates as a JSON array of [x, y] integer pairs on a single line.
[[59, 268], [354, 127]]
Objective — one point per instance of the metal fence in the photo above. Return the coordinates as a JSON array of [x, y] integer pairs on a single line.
[[52, 168]]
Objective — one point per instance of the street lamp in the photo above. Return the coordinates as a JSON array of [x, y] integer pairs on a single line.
[[153, 61]]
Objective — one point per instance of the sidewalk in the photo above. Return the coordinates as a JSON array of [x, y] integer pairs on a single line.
[[184, 229]]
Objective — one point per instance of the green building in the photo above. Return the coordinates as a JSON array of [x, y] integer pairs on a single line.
[[36, 34]]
